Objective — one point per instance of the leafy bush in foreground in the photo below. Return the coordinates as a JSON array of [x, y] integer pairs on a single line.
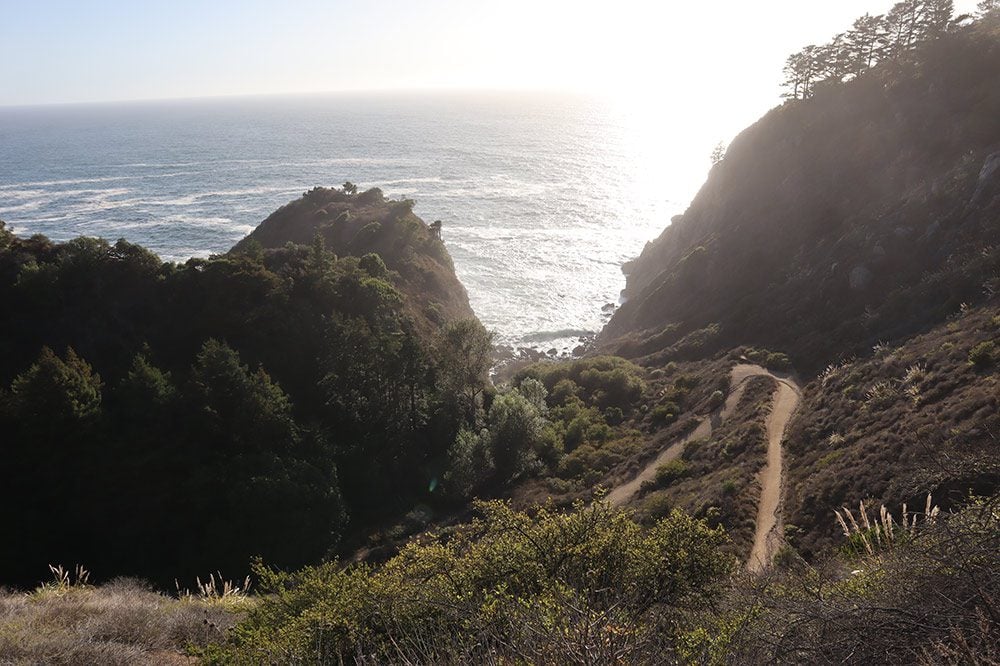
[[588, 586]]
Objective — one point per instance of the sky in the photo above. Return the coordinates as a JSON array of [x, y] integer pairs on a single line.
[[722, 57]]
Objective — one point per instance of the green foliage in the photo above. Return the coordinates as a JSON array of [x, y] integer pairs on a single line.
[[716, 400], [551, 587], [56, 390], [665, 414], [607, 381], [256, 399], [470, 462], [669, 472], [983, 354], [464, 354], [777, 361]]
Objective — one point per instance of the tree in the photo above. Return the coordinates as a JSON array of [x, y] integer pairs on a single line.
[[832, 60], [516, 428], [350, 188], [465, 353], [936, 18], [241, 409], [863, 42], [470, 462], [987, 7], [718, 153], [56, 391]]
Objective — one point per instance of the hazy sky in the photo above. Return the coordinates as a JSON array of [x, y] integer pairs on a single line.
[[724, 57]]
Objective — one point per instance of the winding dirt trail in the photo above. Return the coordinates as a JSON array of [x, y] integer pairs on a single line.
[[767, 534]]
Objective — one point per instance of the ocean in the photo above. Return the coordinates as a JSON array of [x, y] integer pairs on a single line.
[[542, 197]]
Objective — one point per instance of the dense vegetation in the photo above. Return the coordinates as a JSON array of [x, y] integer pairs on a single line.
[[169, 420], [587, 586]]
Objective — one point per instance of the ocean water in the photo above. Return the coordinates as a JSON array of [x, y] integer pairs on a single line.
[[542, 197]]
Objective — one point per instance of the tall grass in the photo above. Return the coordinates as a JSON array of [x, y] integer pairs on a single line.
[[880, 532]]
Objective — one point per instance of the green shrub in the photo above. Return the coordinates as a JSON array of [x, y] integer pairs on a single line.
[[614, 416], [777, 361], [507, 584], [716, 400], [669, 472], [665, 414], [983, 355]]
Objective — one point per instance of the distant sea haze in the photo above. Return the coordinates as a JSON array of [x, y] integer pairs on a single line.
[[540, 196]]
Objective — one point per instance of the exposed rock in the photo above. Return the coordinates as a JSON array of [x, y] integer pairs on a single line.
[[989, 181], [860, 277]]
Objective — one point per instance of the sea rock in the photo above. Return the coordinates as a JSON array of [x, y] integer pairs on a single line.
[[860, 277]]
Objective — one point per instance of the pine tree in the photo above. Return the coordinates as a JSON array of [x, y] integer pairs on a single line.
[[937, 16], [863, 42]]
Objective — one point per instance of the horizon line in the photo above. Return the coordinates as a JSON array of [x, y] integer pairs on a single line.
[[318, 93]]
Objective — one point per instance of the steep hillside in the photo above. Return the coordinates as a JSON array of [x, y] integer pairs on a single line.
[[357, 224], [866, 213]]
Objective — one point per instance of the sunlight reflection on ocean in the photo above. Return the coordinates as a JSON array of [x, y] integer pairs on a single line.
[[542, 197]]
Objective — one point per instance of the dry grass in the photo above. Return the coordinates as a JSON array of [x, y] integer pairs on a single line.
[[124, 622]]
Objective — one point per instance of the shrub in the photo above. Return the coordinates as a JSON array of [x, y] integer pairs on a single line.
[[777, 361], [716, 400], [669, 472], [881, 394], [665, 414], [983, 355], [550, 588], [614, 416]]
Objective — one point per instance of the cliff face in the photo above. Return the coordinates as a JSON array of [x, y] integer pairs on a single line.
[[363, 223], [868, 212]]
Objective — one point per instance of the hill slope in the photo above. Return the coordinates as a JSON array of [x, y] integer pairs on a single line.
[[362, 223], [867, 212]]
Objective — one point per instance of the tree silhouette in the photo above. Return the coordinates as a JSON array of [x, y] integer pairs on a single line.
[[350, 188], [870, 40], [863, 42], [800, 73], [718, 153]]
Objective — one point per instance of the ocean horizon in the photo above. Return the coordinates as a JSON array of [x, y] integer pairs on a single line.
[[542, 196]]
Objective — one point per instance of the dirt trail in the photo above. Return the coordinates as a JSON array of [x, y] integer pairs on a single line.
[[768, 533], [767, 536]]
